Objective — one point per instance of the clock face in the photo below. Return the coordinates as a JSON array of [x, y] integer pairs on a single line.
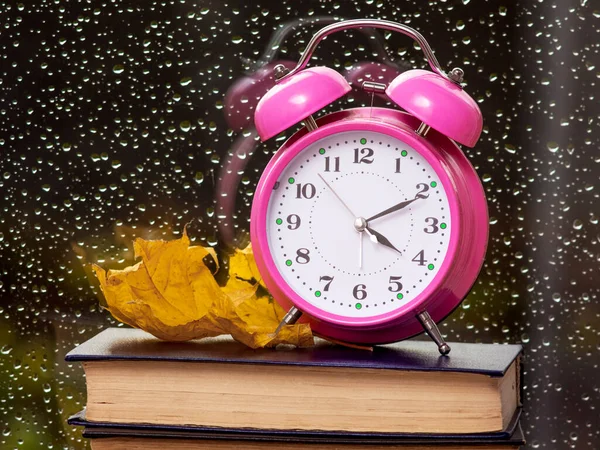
[[358, 224]]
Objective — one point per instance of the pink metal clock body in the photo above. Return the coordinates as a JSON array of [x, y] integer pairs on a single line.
[[467, 242], [438, 114]]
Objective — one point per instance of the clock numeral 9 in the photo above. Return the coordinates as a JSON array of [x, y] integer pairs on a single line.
[[294, 221], [307, 190], [420, 258], [367, 155], [432, 225], [397, 286], [328, 279], [423, 188], [336, 164], [359, 292], [302, 256]]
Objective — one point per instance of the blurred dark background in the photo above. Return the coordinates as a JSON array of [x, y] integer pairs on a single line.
[[113, 125]]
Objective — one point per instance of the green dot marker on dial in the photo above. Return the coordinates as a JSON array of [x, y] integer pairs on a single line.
[[399, 296], [288, 262], [322, 151], [433, 184], [443, 225], [404, 153], [291, 180], [317, 293], [358, 305], [279, 221], [430, 266], [363, 141]]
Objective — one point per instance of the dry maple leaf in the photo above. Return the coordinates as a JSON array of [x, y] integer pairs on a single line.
[[172, 294]]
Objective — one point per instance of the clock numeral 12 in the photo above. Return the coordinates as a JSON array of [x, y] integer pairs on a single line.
[[336, 164], [363, 155], [307, 190], [398, 165]]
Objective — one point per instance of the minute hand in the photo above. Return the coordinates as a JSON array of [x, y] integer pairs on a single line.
[[394, 208]]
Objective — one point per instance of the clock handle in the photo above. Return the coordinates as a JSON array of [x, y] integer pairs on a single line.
[[455, 75]]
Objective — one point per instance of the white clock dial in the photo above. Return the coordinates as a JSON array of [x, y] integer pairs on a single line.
[[331, 238]]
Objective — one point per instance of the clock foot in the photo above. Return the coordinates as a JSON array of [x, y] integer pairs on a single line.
[[434, 333], [290, 318]]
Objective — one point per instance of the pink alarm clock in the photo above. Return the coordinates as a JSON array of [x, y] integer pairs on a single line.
[[370, 223]]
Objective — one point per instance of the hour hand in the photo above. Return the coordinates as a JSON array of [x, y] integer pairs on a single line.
[[380, 238]]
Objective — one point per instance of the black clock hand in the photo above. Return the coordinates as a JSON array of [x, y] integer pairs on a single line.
[[394, 208], [380, 238]]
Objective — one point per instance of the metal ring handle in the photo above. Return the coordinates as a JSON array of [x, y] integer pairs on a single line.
[[455, 76], [279, 36]]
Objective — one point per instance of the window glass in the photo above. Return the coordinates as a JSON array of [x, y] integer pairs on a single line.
[[128, 119]]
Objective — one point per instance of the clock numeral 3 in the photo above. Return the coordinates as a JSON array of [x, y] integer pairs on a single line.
[[359, 292], [420, 258], [302, 256], [363, 155], [397, 286], [336, 164], [328, 279], [294, 221], [423, 188], [432, 225], [307, 190]]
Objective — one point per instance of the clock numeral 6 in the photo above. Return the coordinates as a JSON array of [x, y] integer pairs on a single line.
[[294, 221], [307, 190], [336, 164], [359, 292], [302, 256], [432, 225], [397, 286], [328, 279], [423, 188], [420, 258], [363, 155]]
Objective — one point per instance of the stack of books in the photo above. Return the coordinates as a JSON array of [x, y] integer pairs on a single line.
[[143, 393]]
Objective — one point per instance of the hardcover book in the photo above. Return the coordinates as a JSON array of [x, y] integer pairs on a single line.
[[107, 438], [219, 384]]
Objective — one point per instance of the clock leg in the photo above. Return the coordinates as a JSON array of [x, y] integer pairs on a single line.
[[433, 331], [290, 318]]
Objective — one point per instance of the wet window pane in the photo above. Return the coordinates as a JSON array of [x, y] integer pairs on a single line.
[[131, 119]]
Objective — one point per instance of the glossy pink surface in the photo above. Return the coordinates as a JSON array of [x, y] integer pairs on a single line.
[[439, 103], [467, 246], [296, 98]]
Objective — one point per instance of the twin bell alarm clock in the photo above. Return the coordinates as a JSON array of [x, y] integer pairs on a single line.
[[369, 223]]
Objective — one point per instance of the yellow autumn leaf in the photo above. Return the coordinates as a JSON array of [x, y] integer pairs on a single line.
[[172, 294]]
